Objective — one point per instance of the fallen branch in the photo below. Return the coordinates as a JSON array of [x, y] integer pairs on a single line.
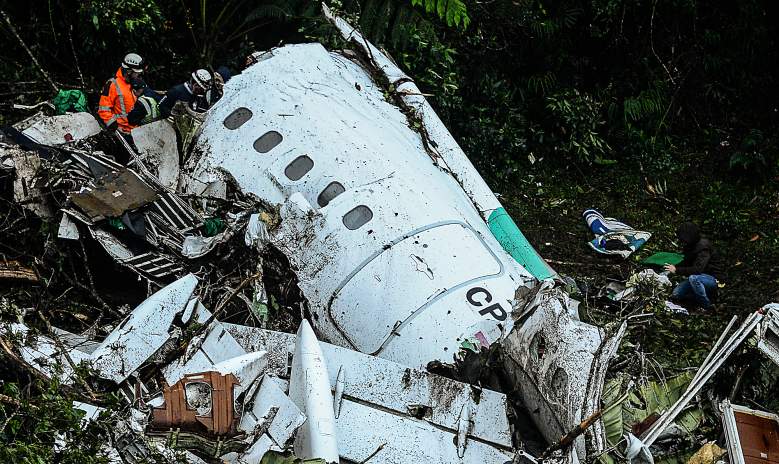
[[569, 437], [75, 59], [13, 401], [14, 270], [29, 52], [217, 312]]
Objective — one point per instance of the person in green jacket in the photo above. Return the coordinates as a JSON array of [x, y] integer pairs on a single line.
[[147, 105]]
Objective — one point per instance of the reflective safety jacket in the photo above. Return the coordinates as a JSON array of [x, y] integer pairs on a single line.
[[146, 109], [116, 101], [152, 108]]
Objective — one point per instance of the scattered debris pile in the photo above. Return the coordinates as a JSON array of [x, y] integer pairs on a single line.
[[237, 392]]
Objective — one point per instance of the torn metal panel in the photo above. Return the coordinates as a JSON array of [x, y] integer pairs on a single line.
[[68, 229], [309, 389], [752, 436], [61, 129], [272, 418], [75, 341], [721, 352], [218, 346], [150, 264], [768, 333], [160, 232], [112, 245], [46, 356], [95, 162], [253, 454], [27, 189], [156, 265], [143, 332], [78, 216], [176, 212], [415, 404], [558, 363], [158, 150], [272, 412], [113, 194]]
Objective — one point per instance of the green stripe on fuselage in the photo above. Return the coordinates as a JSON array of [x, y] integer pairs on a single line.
[[505, 230]]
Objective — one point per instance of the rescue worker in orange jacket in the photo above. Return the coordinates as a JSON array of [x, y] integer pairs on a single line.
[[117, 98]]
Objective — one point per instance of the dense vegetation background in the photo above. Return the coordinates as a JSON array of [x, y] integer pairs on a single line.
[[653, 111]]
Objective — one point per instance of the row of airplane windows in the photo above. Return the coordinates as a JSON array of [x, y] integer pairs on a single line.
[[299, 167]]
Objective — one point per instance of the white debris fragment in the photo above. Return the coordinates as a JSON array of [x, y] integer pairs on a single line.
[[143, 332], [62, 129], [287, 419], [768, 332], [256, 232], [68, 229], [217, 346], [310, 390], [157, 147], [195, 246], [636, 451], [558, 363], [26, 190], [44, 354], [423, 411]]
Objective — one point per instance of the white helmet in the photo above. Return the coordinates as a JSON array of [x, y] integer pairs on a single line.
[[202, 78], [133, 61]]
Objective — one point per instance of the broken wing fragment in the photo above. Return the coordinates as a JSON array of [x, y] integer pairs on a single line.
[[143, 332], [392, 413]]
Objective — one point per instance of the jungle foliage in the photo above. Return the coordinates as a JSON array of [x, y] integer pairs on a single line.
[[570, 81]]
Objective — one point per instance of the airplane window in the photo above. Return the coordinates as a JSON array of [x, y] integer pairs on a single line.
[[299, 167], [267, 141], [237, 118], [357, 217], [331, 191], [198, 395]]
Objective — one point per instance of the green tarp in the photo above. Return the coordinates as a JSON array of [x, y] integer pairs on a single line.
[[663, 257], [73, 101]]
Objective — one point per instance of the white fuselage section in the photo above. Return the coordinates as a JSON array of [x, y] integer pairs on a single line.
[[391, 254]]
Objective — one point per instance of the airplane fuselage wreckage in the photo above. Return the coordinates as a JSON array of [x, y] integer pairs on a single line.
[[402, 254]]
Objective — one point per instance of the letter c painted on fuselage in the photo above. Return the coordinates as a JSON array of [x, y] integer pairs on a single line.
[[473, 292], [495, 309]]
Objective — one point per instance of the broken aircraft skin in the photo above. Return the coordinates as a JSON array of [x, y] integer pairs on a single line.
[[242, 391], [400, 248]]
